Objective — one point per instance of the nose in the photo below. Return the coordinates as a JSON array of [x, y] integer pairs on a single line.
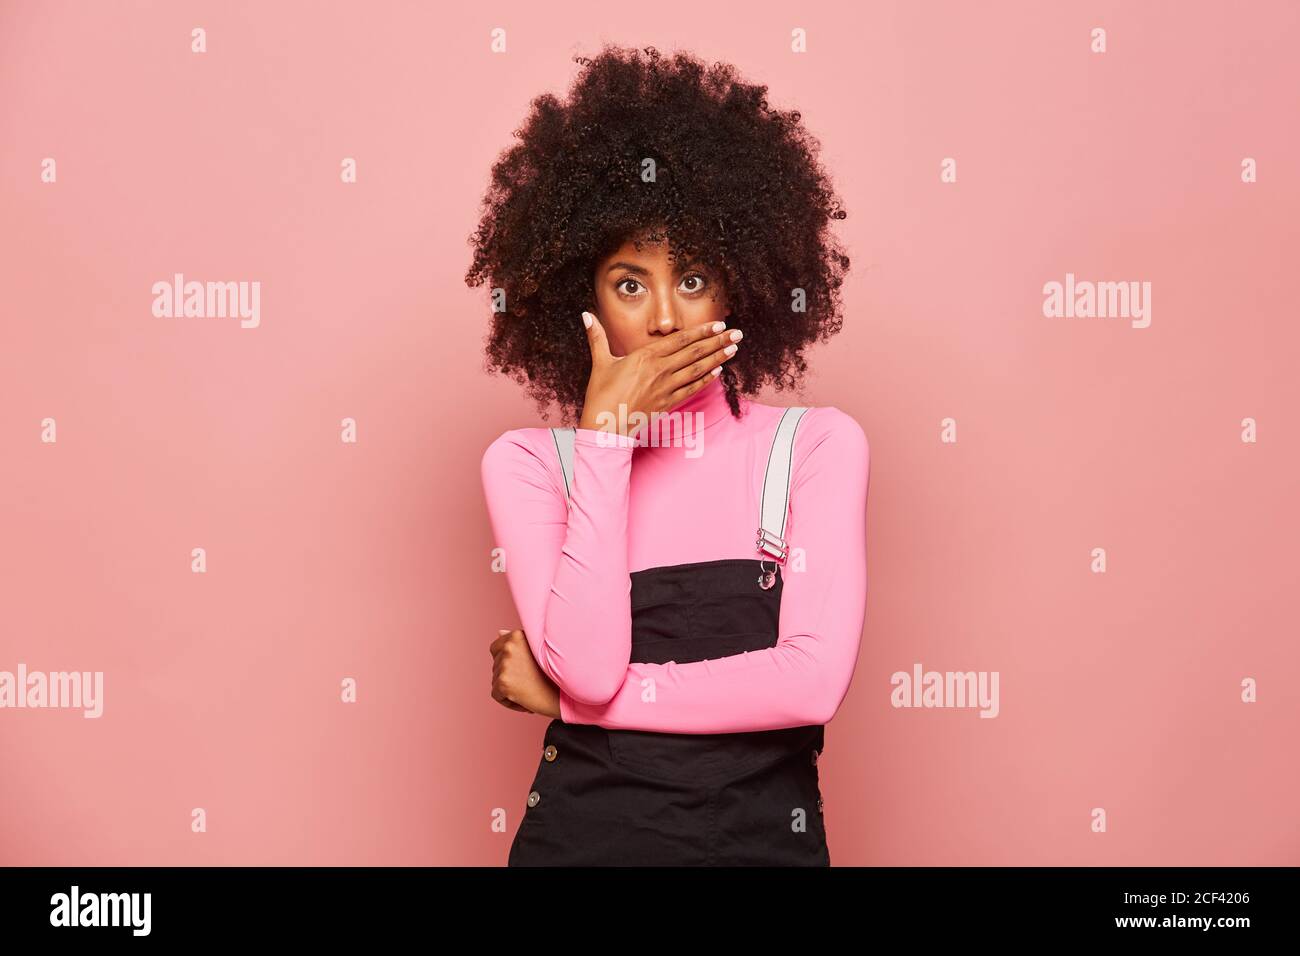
[[665, 318]]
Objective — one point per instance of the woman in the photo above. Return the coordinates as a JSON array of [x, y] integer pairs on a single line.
[[659, 249]]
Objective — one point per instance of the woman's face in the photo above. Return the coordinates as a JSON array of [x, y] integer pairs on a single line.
[[641, 296]]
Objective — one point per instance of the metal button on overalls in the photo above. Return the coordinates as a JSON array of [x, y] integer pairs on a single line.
[[550, 752], [534, 798]]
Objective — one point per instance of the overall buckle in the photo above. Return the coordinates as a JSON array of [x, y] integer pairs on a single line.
[[775, 546]]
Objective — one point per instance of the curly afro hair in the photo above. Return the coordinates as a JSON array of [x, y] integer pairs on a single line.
[[736, 183]]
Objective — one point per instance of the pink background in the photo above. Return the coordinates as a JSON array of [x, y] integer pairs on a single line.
[[328, 560]]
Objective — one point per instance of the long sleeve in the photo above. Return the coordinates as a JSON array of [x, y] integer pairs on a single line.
[[804, 678], [567, 565]]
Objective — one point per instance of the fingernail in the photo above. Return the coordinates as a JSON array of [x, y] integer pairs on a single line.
[[717, 370], [729, 350], [587, 319], [719, 326], [503, 632], [737, 335]]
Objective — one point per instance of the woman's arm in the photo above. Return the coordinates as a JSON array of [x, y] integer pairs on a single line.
[[566, 564], [804, 678]]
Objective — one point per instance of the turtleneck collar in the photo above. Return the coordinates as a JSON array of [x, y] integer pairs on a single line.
[[696, 413], [706, 407]]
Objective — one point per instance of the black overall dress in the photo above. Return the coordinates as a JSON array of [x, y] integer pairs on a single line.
[[639, 798]]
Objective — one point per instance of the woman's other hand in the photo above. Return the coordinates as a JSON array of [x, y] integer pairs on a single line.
[[517, 681]]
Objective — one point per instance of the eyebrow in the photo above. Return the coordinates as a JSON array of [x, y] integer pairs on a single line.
[[639, 270]]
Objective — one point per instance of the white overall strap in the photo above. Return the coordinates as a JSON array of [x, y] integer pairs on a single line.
[[564, 448], [776, 487]]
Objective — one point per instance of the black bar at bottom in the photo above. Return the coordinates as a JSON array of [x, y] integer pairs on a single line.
[[206, 905]]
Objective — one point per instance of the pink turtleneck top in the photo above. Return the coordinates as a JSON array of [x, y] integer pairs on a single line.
[[648, 502]]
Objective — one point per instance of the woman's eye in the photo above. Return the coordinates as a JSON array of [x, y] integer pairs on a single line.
[[690, 284]]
